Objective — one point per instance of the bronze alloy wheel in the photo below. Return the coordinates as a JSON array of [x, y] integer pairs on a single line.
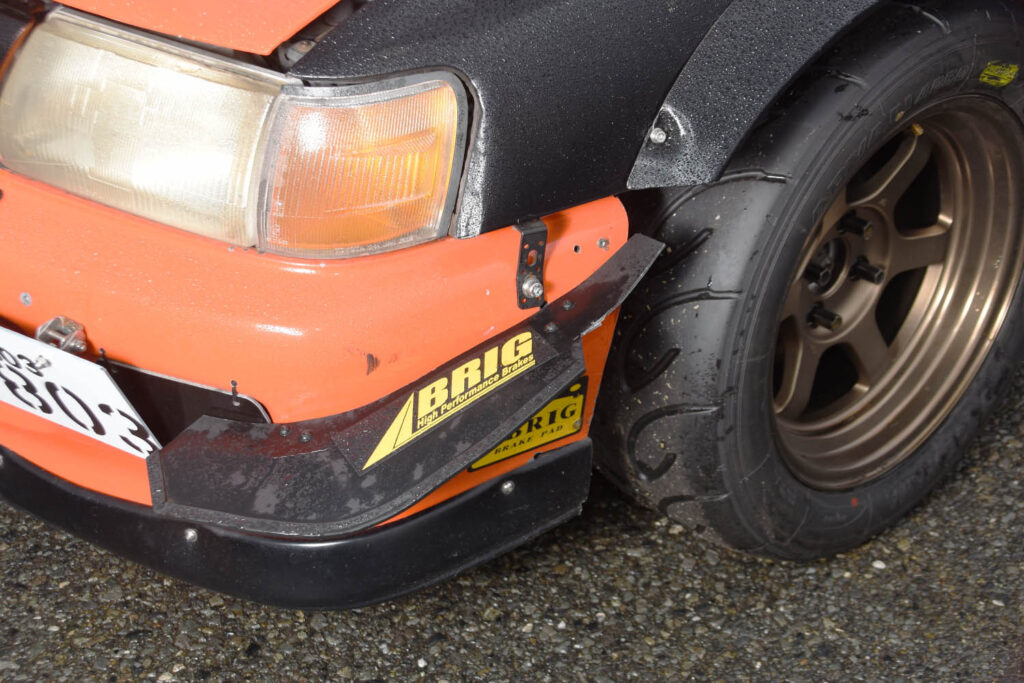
[[899, 293], [834, 317]]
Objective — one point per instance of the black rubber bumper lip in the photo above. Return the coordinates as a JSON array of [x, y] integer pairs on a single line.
[[337, 573]]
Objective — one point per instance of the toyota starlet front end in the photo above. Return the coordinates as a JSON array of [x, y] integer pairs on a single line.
[[241, 339]]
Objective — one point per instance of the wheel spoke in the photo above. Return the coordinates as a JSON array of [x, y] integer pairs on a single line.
[[923, 248], [893, 180], [797, 303], [840, 207], [903, 287], [871, 354], [801, 365]]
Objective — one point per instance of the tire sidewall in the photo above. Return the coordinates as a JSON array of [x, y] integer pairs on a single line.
[[845, 125]]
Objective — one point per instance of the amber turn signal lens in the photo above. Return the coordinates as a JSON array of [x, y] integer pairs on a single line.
[[359, 172]]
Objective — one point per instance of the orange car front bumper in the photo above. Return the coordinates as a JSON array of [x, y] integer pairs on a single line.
[[306, 339], [311, 511]]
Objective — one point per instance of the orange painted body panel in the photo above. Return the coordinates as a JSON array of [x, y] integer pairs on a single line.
[[305, 338], [257, 26], [75, 457]]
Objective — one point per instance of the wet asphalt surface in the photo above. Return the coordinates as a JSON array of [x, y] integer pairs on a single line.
[[618, 594]]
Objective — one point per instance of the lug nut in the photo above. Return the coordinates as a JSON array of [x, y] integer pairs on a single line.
[[818, 275], [855, 225], [862, 270], [822, 317]]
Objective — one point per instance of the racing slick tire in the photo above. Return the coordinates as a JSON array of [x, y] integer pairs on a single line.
[[832, 321]]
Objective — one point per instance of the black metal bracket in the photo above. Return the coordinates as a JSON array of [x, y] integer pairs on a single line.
[[530, 272]]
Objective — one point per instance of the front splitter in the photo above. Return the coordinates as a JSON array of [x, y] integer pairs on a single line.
[[372, 566]]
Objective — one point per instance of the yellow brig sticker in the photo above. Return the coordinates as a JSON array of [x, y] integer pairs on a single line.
[[431, 405], [999, 74], [560, 418]]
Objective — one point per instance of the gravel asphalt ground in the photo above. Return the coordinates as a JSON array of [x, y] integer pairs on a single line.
[[618, 594]]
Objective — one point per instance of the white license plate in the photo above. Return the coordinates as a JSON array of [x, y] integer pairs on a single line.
[[70, 391]]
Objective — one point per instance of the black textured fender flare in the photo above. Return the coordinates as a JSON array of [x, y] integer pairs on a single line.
[[565, 92], [744, 62]]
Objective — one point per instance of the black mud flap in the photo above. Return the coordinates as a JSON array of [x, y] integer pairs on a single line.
[[349, 472]]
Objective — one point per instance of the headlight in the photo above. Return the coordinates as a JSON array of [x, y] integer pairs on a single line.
[[230, 151]]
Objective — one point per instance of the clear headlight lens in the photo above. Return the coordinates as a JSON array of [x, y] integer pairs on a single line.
[[230, 151], [152, 131]]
